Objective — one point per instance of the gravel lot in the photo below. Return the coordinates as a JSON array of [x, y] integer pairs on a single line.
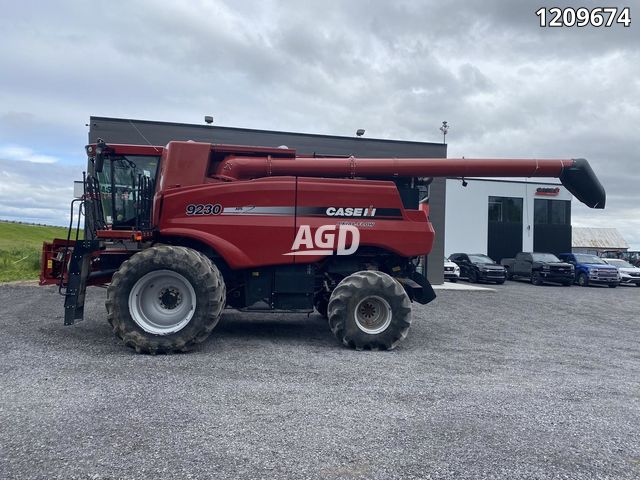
[[520, 382]]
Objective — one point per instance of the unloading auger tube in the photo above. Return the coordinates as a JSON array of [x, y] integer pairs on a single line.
[[575, 174]]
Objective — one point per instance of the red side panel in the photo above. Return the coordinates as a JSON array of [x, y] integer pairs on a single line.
[[390, 227], [249, 223], [253, 223]]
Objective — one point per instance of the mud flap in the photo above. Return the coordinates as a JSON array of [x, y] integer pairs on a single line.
[[79, 267], [418, 288]]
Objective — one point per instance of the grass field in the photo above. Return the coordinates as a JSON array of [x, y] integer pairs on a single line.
[[20, 246]]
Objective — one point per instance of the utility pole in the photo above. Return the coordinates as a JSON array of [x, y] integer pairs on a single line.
[[444, 129]]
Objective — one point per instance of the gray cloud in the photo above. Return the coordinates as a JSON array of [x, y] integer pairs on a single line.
[[36, 192], [507, 86]]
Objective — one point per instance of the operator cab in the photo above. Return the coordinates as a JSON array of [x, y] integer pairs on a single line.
[[125, 184], [121, 181]]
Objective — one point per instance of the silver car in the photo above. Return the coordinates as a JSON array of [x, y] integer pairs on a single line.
[[629, 275]]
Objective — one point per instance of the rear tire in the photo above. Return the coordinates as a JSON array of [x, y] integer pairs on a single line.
[[612, 285], [507, 273], [165, 299], [369, 310]]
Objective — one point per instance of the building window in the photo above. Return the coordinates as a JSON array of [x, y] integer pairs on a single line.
[[540, 211], [505, 209], [495, 210], [552, 212]]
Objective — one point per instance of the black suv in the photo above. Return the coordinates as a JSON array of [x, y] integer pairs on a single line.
[[477, 267]]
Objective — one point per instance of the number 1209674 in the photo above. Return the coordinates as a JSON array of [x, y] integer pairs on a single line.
[[584, 17]]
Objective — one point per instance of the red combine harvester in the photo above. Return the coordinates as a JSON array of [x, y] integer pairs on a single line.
[[178, 232]]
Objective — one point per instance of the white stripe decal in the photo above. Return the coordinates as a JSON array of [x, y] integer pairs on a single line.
[[310, 252], [252, 210]]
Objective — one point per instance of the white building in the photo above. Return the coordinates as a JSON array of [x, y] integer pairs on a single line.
[[502, 217]]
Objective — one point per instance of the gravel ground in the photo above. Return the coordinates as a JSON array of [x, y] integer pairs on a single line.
[[520, 382]]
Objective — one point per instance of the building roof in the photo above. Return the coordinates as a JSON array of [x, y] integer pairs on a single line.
[[597, 238], [143, 132]]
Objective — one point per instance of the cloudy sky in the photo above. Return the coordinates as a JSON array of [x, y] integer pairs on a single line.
[[397, 68]]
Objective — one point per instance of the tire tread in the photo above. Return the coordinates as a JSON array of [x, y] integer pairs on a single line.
[[164, 256], [339, 315]]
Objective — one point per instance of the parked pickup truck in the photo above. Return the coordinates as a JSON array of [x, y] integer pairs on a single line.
[[539, 268], [591, 269]]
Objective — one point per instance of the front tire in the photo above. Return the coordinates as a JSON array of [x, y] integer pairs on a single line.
[[473, 276], [165, 299], [536, 278], [369, 310], [583, 280]]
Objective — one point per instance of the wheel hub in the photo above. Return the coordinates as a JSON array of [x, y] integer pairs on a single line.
[[162, 302], [170, 298], [368, 310], [373, 314]]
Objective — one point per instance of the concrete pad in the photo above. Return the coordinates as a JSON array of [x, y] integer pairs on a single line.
[[462, 286]]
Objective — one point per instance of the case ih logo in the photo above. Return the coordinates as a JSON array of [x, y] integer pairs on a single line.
[[351, 212], [548, 191], [327, 239]]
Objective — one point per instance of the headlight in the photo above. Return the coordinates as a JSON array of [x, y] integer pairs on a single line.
[[546, 267], [456, 269]]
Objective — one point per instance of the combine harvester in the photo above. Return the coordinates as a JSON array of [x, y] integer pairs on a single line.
[[178, 232]]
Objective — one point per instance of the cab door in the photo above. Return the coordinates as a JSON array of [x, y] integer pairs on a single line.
[[523, 264]]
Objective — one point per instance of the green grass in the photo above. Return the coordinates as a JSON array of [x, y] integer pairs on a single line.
[[20, 247]]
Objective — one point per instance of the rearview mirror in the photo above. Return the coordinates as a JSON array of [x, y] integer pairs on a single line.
[[99, 163], [100, 150]]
